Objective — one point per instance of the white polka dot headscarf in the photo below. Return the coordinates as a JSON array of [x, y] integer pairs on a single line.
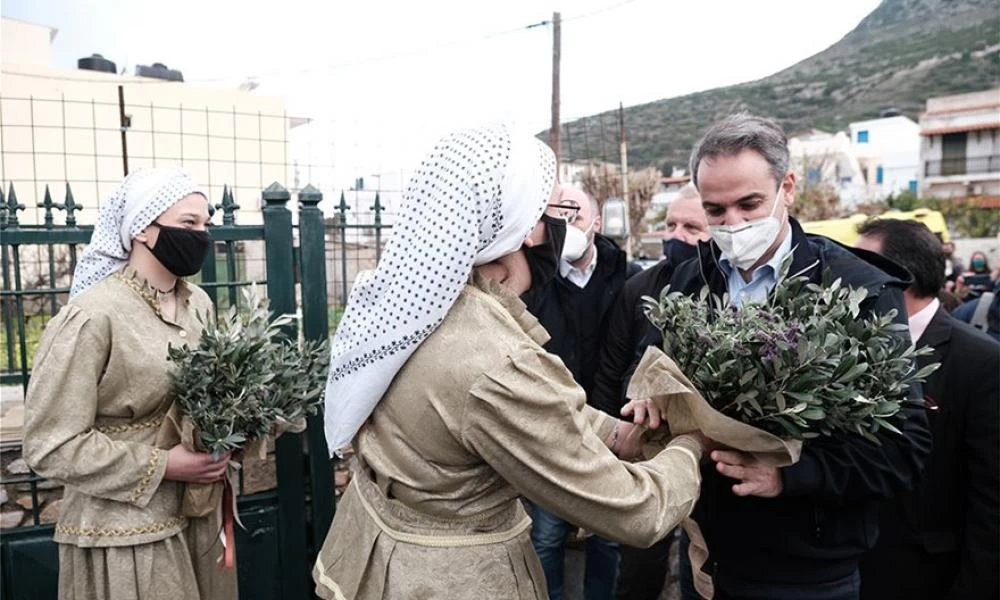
[[474, 198], [142, 197]]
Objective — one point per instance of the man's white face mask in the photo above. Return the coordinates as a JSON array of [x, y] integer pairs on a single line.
[[577, 242], [745, 243]]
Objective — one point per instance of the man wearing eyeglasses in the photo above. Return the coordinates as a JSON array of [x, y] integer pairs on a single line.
[[573, 308]]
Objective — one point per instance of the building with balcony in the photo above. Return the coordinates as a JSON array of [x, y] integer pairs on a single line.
[[960, 147]]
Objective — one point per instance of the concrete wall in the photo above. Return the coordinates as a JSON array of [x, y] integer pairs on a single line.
[[991, 246], [983, 143]]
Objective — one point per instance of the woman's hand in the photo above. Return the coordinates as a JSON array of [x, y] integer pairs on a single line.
[[644, 410], [194, 467]]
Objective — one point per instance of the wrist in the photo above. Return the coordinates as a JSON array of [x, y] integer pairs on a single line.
[[613, 439]]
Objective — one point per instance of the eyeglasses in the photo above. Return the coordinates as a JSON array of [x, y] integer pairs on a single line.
[[563, 210]]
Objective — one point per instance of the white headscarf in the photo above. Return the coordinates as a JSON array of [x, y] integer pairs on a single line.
[[474, 198], [142, 197]]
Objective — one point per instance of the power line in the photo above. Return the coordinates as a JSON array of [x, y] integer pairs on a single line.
[[143, 80]]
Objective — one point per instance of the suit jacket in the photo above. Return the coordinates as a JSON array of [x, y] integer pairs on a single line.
[[943, 539]]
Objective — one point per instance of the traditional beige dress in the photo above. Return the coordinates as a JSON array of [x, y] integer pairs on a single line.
[[98, 393], [479, 416]]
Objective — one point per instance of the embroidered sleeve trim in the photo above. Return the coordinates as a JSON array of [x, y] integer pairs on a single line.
[[154, 462]]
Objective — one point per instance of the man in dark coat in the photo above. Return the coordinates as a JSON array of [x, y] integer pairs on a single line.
[[942, 541], [643, 571], [573, 308], [796, 532]]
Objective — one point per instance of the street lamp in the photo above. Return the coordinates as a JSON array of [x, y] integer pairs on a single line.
[[613, 221]]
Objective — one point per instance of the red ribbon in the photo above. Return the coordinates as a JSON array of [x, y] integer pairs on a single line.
[[228, 518]]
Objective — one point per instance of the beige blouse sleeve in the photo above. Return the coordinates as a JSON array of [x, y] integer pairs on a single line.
[[61, 405], [526, 420]]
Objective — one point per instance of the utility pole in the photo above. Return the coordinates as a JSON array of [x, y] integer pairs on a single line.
[[556, 48], [623, 156]]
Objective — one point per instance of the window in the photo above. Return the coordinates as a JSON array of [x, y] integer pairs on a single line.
[[813, 175], [913, 186], [862, 136], [846, 180], [879, 174]]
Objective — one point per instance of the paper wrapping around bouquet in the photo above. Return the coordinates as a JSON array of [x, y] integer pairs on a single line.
[[685, 410]]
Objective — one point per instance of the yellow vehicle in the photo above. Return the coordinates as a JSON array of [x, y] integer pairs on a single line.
[[845, 230]]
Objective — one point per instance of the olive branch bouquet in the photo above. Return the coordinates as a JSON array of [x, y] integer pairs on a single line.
[[243, 380], [805, 363]]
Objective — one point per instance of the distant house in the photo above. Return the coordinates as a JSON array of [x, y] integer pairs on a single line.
[[888, 152], [822, 158], [573, 172], [960, 148], [668, 189]]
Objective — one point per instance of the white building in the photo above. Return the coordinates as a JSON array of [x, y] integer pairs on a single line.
[[823, 158], [960, 149], [888, 152], [64, 126]]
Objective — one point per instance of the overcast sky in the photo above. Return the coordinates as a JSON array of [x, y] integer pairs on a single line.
[[391, 76]]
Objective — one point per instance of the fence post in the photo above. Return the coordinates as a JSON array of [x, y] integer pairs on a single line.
[[315, 325], [295, 571], [342, 209]]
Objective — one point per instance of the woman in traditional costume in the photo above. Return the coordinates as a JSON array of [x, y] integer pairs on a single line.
[[460, 410], [98, 394]]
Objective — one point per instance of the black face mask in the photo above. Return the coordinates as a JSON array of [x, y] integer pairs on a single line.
[[677, 251], [543, 259], [181, 251]]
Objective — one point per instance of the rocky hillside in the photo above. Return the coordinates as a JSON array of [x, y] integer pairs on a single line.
[[902, 53]]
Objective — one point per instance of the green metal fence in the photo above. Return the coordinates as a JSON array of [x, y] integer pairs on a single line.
[[284, 526]]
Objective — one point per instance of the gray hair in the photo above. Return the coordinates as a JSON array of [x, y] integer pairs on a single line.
[[688, 191], [739, 132]]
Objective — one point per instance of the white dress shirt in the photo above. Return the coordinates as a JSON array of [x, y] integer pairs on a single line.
[[920, 320], [578, 277]]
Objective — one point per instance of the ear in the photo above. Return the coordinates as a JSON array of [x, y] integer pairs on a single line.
[[142, 237], [597, 224], [789, 186]]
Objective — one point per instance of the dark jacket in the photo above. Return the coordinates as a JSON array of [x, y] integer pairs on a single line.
[[941, 541], [577, 318], [826, 517], [627, 327]]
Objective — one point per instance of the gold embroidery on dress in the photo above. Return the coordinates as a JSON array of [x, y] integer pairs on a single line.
[[101, 532], [141, 291], [144, 483]]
